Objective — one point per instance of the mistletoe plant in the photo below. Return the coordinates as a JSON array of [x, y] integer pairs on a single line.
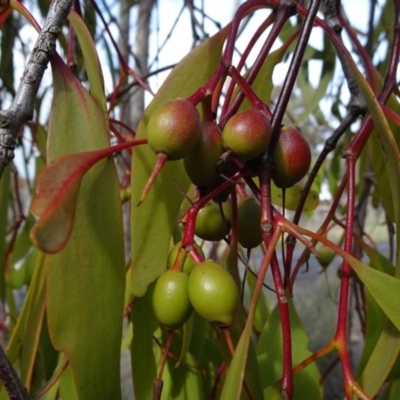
[[217, 179]]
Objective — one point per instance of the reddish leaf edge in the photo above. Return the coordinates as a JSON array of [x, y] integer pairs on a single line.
[[44, 206]]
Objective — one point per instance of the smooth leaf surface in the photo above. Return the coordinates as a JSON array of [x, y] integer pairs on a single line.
[[292, 197], [270, 350], [86, 279], [152, 223], [381, 360], [232, 388], [388, 146], [183, 382], [384, 288], [92, 63], [4, 201], [34, 322], [144, 369], [57, 190]]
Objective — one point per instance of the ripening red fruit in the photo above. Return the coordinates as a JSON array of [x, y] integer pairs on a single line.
[[247, 134], [173, 130], [200, 164], [291, 156]]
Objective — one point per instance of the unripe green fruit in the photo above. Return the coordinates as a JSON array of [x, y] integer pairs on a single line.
[[213, 293], [249, 216], [247, 134], [174, 129], [211, 223], [200, 164], [292, 158], [188, 265], [325, 256], [171, 302]]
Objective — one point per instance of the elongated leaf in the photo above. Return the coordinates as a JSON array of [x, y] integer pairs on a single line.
[[376, 318], [381, 360], [388, 347], [4, 198], [144, 369], [234, 380], [86, 278], [92, 63], [384, 288], [16, 340], [292, 198], [388, 146], [263, 83], [270, 350], [33, 327], [57, 190], [152, 223]]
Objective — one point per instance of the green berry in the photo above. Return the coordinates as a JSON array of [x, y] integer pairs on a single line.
[[171, 302], [249, 216], [200, 164], [213, 221], [213, 293]]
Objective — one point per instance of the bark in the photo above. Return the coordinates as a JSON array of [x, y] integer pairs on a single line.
[[21, 109], [141, 57]]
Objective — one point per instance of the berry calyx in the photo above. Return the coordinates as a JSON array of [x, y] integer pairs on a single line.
[[213, 293], [171, 302], [292, 158], [213, 221], [249, 216], [200, 164], [247, 134]]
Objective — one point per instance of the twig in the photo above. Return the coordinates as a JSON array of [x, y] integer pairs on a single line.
[[21, 109], [9, 377]]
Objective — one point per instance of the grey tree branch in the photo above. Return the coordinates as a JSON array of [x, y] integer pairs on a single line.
[[21, 109], [330, 9], [15, 389]]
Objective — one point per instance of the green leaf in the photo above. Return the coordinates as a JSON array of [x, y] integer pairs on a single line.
[[313, 95], [376, 319], [292, 197], [183, 382], [144, 370], [33, 327], [153, 222], [4, 199], [234, 380], [388, 146], [306, 382], [263, 84], [86, 279], [263, 309], [381, 360], [384, 288], [57, 190], [67, 386], [92, 62], [35, 288]]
